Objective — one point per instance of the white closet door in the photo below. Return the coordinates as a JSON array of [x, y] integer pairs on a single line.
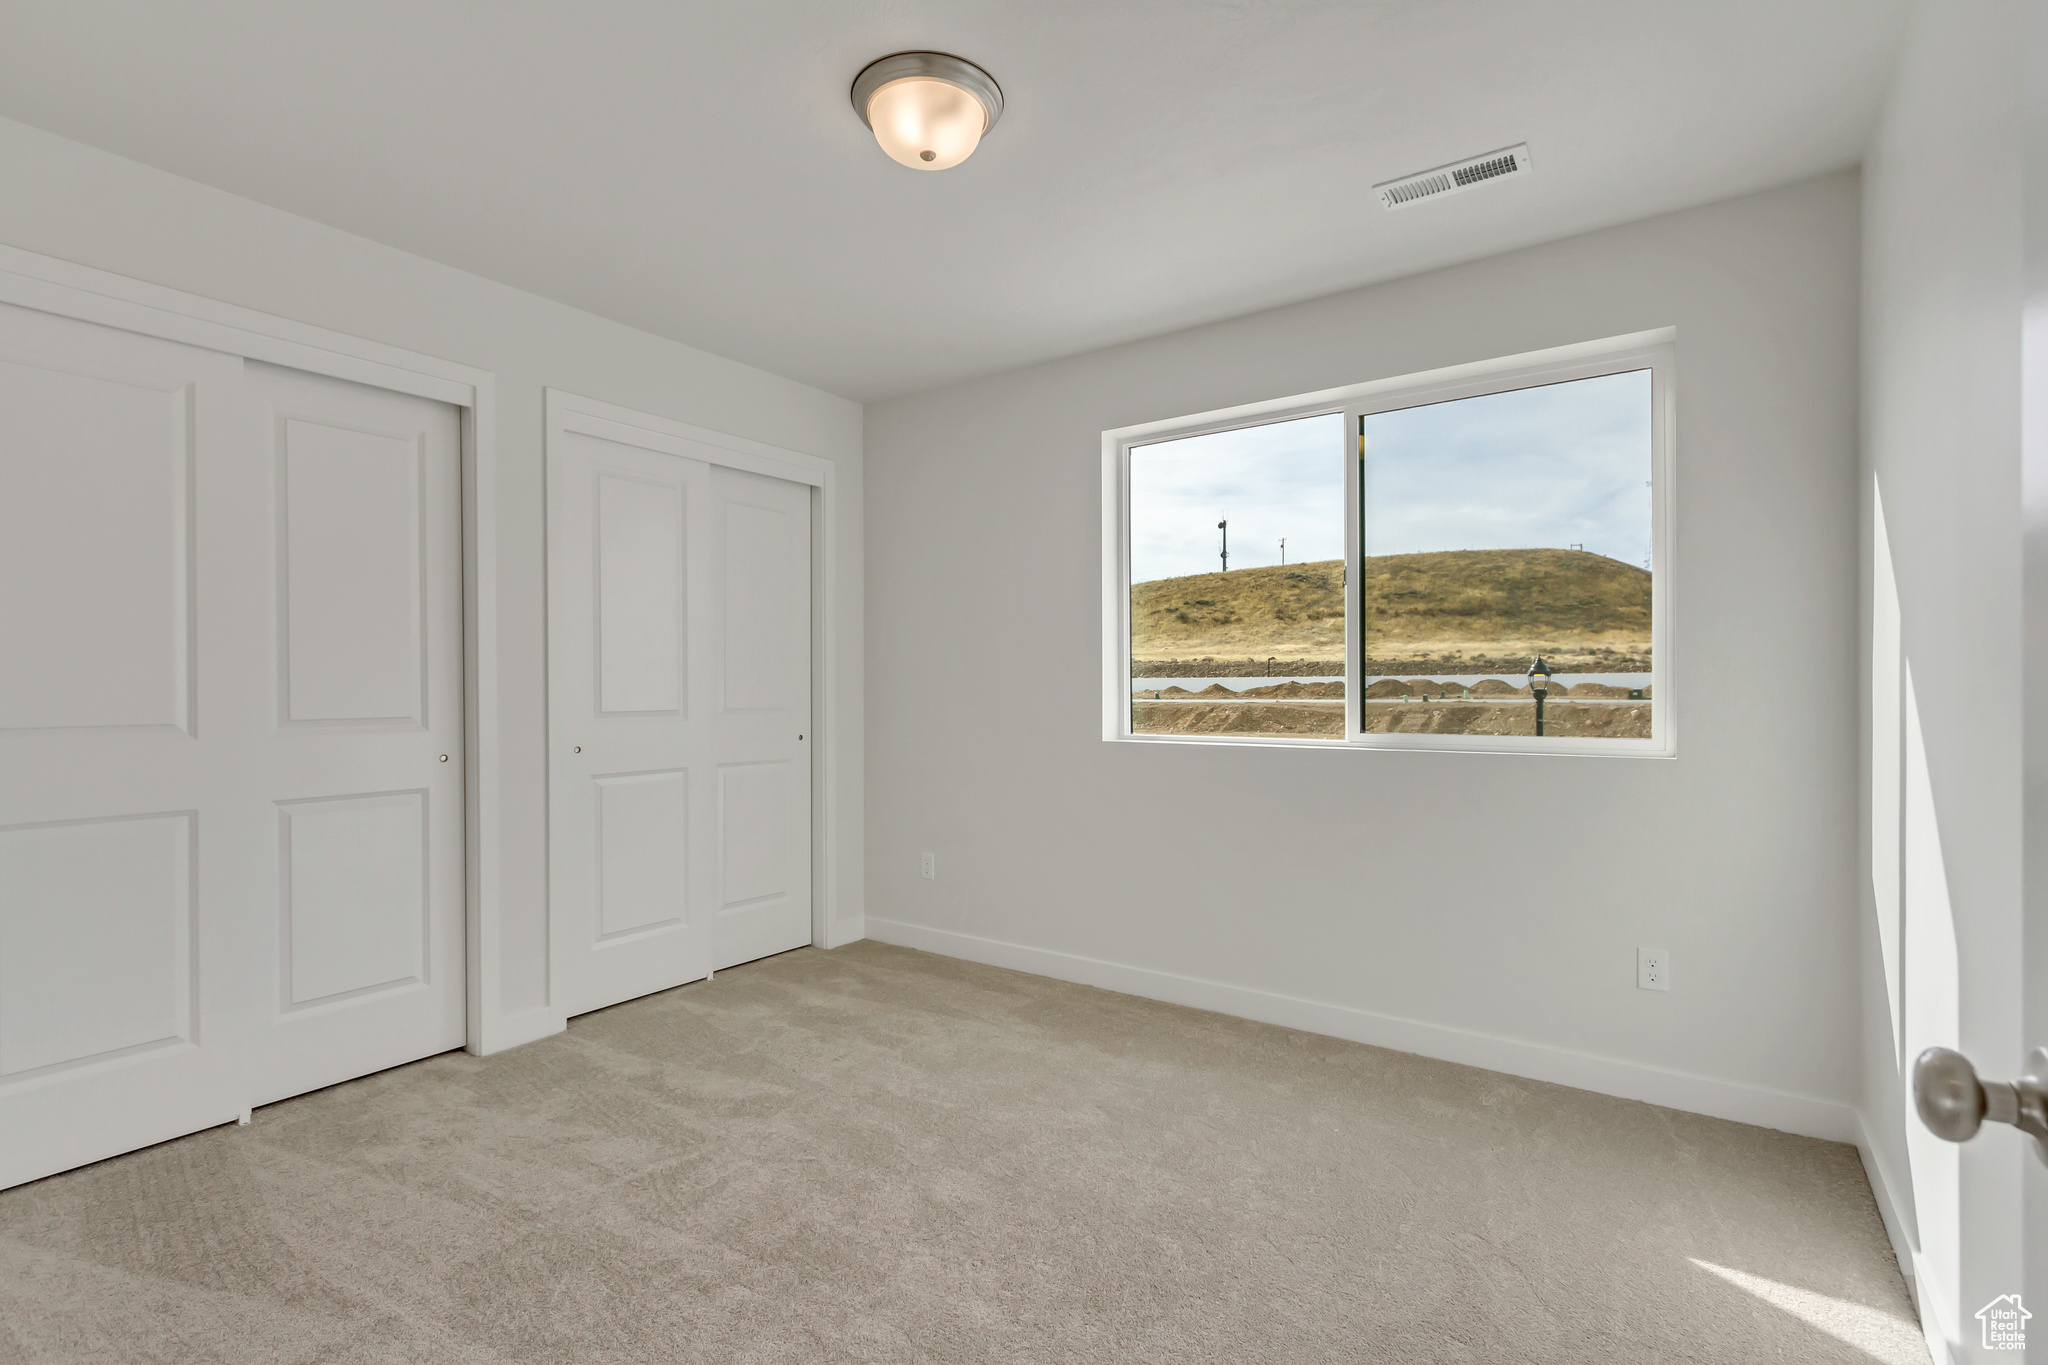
[[679, 697], [361, 766], [127, 901], [230, 850], [763, 593], [631, 675]]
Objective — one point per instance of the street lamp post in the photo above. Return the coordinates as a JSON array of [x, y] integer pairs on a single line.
[[1224, 527], [1539, 688]]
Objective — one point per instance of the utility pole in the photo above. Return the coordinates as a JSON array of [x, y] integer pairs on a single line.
[[1283, 552], [1224, 527]]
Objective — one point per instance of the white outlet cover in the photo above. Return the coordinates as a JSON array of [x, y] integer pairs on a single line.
[[1653, 969], [928, 867]]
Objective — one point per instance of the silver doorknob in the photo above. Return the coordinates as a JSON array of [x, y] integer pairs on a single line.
[[1954, 1104]]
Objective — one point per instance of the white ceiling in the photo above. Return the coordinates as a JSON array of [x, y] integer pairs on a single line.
[[695, 169]]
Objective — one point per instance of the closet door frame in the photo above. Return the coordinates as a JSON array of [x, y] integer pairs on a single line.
[[48, 285], [568, 413]]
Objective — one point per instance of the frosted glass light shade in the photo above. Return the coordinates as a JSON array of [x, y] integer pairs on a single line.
[[926, 124], [928, 110]]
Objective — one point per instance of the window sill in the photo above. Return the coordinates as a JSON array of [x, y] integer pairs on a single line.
[[1507, 745]]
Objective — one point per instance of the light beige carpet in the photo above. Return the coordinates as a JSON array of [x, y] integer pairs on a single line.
[[878, 1155]]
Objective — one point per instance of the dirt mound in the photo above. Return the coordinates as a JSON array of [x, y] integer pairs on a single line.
[[1250, 668], [1292, 691], [1494, 687], [1606, 690], [1467, 718], [1468, 661], [1419, 688], [1199, 718]]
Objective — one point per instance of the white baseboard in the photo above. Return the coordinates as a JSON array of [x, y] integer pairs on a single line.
[[1891, 1196], [1937, 1317], [508, 1031], [1720, 1099], [1937, 1323], [840, 932]]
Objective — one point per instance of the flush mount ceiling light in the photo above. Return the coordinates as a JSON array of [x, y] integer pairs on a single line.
[[927, 109]]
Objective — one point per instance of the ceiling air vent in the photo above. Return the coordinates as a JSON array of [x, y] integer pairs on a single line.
[[1459, 175]]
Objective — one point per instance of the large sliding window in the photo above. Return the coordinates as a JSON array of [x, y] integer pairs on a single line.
[[1467, 559]]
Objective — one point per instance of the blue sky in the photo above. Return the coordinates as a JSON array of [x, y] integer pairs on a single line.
[[1557, 465], [1281, 479]]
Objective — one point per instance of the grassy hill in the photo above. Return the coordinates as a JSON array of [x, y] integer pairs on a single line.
[[1476, 608], [1295, 611]]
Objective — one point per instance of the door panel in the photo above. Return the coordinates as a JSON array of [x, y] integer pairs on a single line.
[[766, 599], [129, 951], [96, 606], [98, 957], [360, 747], [356, 895], [629, 760], [641, 616], [643, 842], [354, 584], [764, 719], [753, 818]]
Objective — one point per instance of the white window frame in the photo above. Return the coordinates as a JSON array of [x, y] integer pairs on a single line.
[[1653, 350]]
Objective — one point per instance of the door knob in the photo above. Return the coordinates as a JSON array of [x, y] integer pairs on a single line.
[[1953, 1103]]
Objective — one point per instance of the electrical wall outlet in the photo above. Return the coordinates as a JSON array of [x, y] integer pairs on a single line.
[[929, 867], [1653, 969]]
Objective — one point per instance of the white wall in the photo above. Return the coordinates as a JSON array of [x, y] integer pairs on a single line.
[[1943, 278], [73, 202], [1480, 907], [2034, 448]]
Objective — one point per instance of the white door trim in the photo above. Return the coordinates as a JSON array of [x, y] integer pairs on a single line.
[[49, 285], [568, 412]]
